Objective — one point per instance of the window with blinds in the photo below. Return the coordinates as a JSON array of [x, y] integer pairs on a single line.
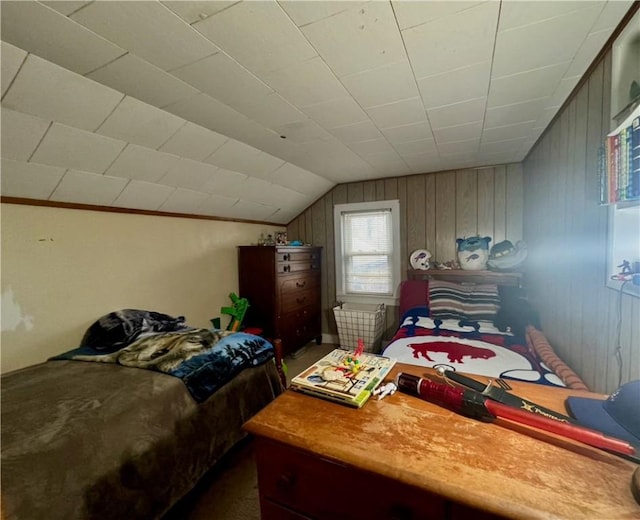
[[367, 246]]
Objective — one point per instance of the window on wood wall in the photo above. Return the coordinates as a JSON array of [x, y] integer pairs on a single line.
[[367, 245]]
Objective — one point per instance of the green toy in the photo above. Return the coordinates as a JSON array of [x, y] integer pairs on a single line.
[[237, 311]]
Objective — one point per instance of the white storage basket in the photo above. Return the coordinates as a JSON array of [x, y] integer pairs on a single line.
[[360, 321]]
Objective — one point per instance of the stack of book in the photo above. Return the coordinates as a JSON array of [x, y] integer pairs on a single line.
[[344, 377], [620, 167]]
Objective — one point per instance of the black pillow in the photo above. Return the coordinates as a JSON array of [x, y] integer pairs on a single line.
[[118, 329]]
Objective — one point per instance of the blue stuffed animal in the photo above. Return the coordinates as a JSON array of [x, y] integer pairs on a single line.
[[473, 252]]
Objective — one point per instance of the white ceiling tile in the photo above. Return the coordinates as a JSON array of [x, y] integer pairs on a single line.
[[194, 11], [194, 142], [387, 164], [209, 113], [248, 210], [184, 201], [386, 84], [28, 180], [420, 146], [363, 131], [226, 183], [21, 134], [88, 188], [35, 28], [12, 59], [518, 14], [66, 7], [526, 86], [274, 42], [299, 179], [459, 161], [503, 133], [48, 91], [257, 190], [404, 133], [70, 147], [143, 195], [611, 15], [188, 174], [223, 78], [423, 162], [410, 14], [506, 146], [458, 147], [143, 164], [370, 33], [306, 82], [545, 117], [453, 42], [515, 113], [235, 155], [372, 146], [464, 132], [540, 44], [564, 88], [302, 131], [338, 112], [142, 29], [140, 123], [589, 48], [216, 205], [455, 86], [303, 13], [405, 112], [271, 110], [457, 113], [142, 80]]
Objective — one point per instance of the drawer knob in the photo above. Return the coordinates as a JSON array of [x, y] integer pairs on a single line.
[[286, 481], [301, 300], [298, 284], [286, 268], [286, 258]]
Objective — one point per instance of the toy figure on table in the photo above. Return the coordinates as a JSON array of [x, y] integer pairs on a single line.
[[352, 361]]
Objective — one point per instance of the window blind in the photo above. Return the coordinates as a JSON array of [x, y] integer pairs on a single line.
[[367, 249]]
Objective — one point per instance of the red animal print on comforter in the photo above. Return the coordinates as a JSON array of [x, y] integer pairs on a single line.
[[455, 351]]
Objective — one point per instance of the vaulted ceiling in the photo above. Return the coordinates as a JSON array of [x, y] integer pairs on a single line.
[[254, 109]]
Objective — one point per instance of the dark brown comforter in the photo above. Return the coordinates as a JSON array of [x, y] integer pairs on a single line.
[[87, 440]]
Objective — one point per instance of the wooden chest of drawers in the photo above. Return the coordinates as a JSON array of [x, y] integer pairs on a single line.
[[282, 284]]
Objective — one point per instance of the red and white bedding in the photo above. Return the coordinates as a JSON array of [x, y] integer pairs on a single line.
[[474, 347]]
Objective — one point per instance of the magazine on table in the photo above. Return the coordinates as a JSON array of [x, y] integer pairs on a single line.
[[344, 376]]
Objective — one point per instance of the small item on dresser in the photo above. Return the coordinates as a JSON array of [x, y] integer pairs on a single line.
[[336, 378], [476, 406]]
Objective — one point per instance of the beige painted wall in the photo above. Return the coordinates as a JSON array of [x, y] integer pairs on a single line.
[[62, 269]]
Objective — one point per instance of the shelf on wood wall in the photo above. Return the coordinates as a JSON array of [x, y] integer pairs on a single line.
[[462, 276]]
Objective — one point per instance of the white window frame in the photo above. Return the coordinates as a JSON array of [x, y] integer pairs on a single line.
[[341, 294]]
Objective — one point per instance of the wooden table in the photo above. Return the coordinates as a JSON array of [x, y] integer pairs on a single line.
[[405, 458]]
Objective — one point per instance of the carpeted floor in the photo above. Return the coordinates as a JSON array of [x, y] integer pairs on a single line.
[[230, 490]]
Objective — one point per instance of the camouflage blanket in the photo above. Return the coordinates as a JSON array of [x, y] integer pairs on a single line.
[[204, 359]]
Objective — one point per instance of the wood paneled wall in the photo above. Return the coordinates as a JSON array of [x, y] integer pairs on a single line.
[[566, 231], [435, 209]]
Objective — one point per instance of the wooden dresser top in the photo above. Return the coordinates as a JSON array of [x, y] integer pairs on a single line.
[[489, 466]]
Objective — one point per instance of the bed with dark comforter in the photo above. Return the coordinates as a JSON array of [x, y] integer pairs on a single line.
[[104, 440]]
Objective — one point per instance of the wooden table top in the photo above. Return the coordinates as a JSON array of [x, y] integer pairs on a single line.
[[499, 467]]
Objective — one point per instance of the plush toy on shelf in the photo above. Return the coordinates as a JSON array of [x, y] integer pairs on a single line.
[[473, 252]]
